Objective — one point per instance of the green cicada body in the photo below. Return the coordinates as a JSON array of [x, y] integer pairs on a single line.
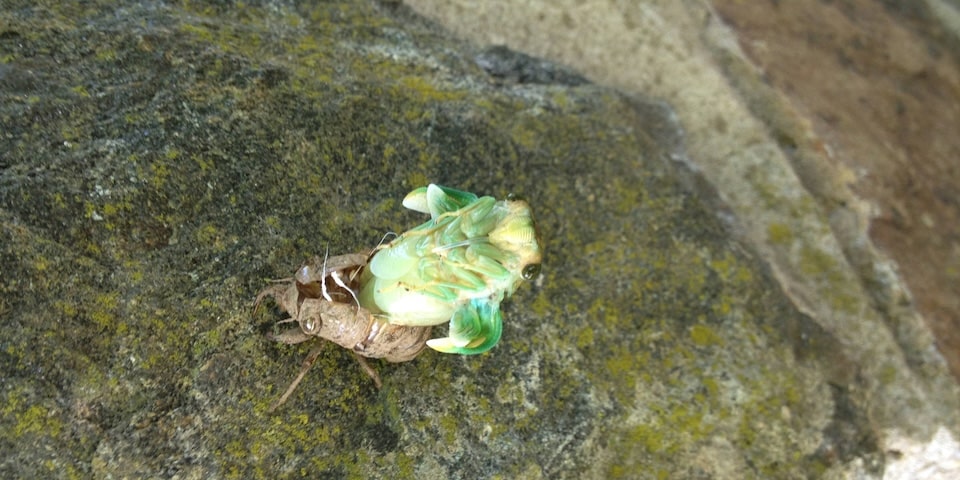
[[457, 267]]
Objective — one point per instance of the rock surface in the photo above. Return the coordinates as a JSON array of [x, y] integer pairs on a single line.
[[161, 163], [829, 133]]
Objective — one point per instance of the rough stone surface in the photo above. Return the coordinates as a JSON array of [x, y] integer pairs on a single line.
[[834, 113], [881, 86], [162, 162]]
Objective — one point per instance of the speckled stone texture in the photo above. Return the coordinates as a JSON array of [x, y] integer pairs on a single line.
[[828, 129], [162, 162]]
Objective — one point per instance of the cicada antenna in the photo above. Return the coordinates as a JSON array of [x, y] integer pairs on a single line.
[[336, 279], [339, 281], [323, 276]]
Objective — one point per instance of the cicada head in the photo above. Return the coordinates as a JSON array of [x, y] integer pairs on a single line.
[[516, 235]]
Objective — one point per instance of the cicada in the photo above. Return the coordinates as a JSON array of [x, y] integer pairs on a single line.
[[456, 268]]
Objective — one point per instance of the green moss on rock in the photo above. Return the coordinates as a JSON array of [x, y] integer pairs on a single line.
[[181, 157]]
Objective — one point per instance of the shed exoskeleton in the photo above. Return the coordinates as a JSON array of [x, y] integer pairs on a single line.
[[320, 299]]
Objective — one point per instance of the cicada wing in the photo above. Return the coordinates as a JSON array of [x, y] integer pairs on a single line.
[[396, 260], [436, 200], [474, 328]]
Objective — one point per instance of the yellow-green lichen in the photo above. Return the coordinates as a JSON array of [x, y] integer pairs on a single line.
[[585, 338], [779, 234], [28, 419], [704, 336], [833, 278], [104, 312]]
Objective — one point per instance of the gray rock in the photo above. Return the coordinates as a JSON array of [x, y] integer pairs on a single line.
[[162, 163]]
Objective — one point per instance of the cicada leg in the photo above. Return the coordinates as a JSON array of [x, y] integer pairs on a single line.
[[304, 368], [370, 371], [290, 336], [273, 291]]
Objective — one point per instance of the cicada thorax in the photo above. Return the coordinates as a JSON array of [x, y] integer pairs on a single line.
[[357, 329], [333, 279], [327, 307]]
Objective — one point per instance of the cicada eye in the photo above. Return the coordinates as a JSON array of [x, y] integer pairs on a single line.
[[531, 271], [303, 275], [310, 327]]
